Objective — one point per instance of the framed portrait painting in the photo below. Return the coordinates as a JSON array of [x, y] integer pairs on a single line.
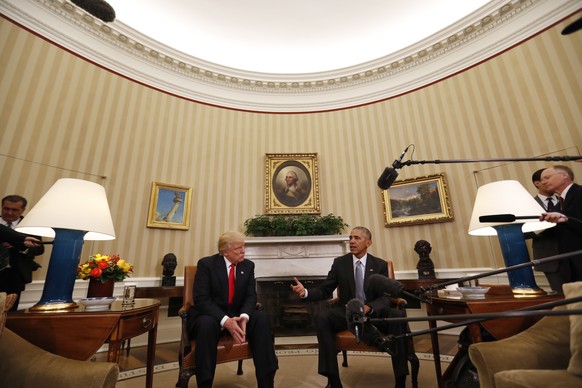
[[423, 200], [169, 206], [292, 184]]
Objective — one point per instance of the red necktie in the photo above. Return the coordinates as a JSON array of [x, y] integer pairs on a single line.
[[231, 283], [561, 202]]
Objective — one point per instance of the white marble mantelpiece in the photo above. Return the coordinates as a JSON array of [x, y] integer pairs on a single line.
[[294, 255]]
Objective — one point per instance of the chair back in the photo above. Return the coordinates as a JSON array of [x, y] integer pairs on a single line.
[[189, 275], [390, 269]]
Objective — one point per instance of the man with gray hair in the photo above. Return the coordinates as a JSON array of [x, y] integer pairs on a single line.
[[560, 180]]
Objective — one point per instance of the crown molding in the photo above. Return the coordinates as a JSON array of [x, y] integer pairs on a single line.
[[487, 32]]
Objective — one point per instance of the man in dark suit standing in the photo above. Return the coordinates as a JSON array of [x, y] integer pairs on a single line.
[[342, 275], [225, 298], [545, 243], [17, 271], [560, 180]]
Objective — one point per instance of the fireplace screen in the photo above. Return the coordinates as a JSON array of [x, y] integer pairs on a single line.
[[289, 316]]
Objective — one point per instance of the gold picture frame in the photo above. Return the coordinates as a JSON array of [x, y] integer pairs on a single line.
[[169, 206], [416, 201], [292, 184]]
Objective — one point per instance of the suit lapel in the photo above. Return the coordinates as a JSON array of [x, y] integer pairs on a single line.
[[542, 204], [571, 194], [239, 281], [220, 269]]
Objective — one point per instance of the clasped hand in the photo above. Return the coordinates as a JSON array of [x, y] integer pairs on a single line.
[[237, 327]]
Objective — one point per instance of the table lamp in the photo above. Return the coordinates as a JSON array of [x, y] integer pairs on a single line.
[[71, 211], [510, 198]]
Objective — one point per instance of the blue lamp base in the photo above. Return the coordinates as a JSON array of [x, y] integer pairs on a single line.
[[514, 249], [62, 272]]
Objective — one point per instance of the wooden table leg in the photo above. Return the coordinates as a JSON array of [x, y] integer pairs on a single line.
[[152, 336], [113, 351], [434, 338]]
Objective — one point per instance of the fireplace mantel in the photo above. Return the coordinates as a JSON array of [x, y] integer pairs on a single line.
[[294, 255]]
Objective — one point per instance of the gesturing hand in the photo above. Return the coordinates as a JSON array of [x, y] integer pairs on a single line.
[[298, 288]]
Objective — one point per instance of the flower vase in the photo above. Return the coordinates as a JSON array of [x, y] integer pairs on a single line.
[[98, 290]]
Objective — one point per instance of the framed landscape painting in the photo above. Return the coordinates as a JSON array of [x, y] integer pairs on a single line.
[[169, 206], [423, 200], [292, 184]]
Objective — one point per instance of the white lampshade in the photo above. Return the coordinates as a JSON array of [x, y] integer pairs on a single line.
[[71, 204], [505, 197]]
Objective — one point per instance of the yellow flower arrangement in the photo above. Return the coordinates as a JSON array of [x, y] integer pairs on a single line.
[[104, 268]]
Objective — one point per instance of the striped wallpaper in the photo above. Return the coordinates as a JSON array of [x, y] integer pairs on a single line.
[[61, 116]]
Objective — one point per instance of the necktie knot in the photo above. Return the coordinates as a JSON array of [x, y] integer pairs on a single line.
[[9, 224], [550, 207]]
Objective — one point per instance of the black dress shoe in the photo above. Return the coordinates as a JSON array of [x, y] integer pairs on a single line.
[[388, 345]]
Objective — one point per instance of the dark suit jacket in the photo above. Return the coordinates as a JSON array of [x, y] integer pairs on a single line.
[[211, 289], [341, 276], [544, 244], [23, 263], [12, 237], [570, 233]]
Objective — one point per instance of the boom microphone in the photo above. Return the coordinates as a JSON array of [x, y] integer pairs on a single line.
[[379, 285], [505, 218], [355, 317], [390, 174]]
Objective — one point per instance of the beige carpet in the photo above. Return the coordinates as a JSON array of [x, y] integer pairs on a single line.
[[299, 369]]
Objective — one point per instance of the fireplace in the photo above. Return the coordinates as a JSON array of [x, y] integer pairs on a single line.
[[277, 260], [288, 315]]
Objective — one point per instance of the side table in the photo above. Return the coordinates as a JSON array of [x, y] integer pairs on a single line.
[[78, 334]]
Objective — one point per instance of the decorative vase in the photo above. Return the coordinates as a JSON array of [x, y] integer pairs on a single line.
[[98, 289]]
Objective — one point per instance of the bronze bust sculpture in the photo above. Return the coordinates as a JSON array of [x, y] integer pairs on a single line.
[[425, 265], [169, 262]]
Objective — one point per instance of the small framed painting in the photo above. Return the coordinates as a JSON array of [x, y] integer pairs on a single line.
[[423, 200], [169, 206]]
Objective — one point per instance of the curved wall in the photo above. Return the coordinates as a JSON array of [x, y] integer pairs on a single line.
[[61, 116]]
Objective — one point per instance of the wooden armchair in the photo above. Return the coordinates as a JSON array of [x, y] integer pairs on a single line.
[[346, 341], [227, 350]]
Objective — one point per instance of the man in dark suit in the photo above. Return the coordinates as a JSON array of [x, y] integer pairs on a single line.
[[342, 276], [18, 272], [545, 243], [560, 180], [218, 307]]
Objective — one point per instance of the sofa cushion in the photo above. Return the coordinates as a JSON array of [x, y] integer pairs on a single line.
[[6, 302], [539, 378], [572, 290]]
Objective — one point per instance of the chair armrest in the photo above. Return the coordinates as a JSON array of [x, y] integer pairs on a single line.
[[545, 345], [24, 364]]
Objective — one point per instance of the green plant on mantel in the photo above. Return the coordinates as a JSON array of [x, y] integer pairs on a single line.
[[294, 225]]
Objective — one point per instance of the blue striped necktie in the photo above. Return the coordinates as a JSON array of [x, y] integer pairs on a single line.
[[360, 282]]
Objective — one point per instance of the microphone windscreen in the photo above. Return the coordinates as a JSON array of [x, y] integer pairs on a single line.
[[354, 310], [379, 285], [387, 178]]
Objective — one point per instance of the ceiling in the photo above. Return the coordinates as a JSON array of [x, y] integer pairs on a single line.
[[299, 36], [296, 56]]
